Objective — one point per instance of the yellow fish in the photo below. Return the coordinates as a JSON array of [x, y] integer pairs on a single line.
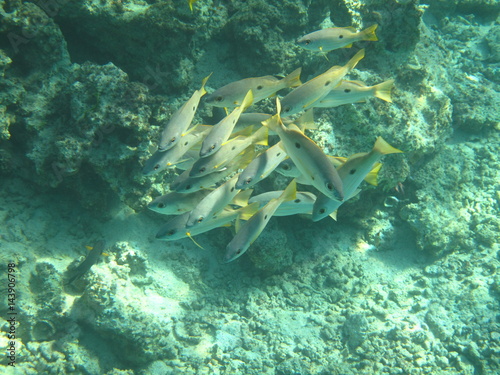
[[336, 37], [349, 92], [306, 95], [232, 94]]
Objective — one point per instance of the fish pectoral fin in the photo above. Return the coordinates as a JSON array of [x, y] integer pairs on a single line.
[[89, 247], [348, 46]]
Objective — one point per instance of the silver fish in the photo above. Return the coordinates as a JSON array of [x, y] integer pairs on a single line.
[[349, 92], [336, 37], [309, 159], [352, 173], [226, 153], [175, 203], [252, 228], [233, 93], [304, 96], [221, 132], [181, 119], [261, 167]]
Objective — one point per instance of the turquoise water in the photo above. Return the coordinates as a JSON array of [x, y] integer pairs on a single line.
[[404, 281]]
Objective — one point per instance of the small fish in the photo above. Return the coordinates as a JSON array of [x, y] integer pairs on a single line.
[[161, 160], [213, 202], [186, 184], [176, 228], [349, 92], [227, 152], [261, 167], [233, 93], [181, 119], [352, 173], [304, 96], [175, 203], [221, 132], [309, 158], [91, 259], [302, 204], [336, 37], [288, 169], [252, 228]]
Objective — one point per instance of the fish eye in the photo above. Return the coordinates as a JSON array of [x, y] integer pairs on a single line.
[[200, 219], [322, 211], [212, 147], [265, 217], [156, 167], [287, 109], [347, 90], [278, 154], [188, 187], [352, 171], [327, 83], [286, 167], [202, 169], [308, 41], [171, 232], [161, 205], [341, 36], [259, 87], [219, 99], [232, 189], [173, 139], [329, 186], [297, 200], [185, 143], [248, 180], [297, 144], [238, 252]]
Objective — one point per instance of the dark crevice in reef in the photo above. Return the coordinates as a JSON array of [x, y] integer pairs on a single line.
[[80, 46]]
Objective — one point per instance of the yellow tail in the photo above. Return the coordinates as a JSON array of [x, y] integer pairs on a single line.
[[383, 90], [369, 33], [384, 148]]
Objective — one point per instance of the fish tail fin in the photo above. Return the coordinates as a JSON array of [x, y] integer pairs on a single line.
[[204, 81], [293, 79], [384, 148], [241, 199], [369, 33], [190, 3], [247, 101], [260, 136], [290, 193], [355, 59], [89, 247], [372, 176], [248, 211], [383, 90]]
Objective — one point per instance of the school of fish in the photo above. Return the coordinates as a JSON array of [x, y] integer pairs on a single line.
[[222, 163]]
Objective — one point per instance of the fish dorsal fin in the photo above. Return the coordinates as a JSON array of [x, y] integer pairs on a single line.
[[246, 132], [248, 211], [241, 199], [351, 28]]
